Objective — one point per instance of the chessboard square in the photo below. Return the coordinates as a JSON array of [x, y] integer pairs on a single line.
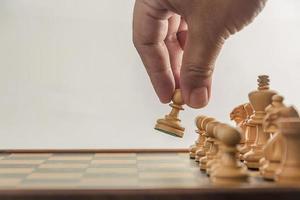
[[63, 165], [17, 162], [16, 166], [112, 155], [113, 165], [110, 175], [169, 183], [54, 176], [60, 170], [109, 182], [158, 158], [118, 162], [161, 166], [30, 155], [70, 158], [111, 170], [67, 162], [15, 170], [9, 182], [164, 175], [48, 185]]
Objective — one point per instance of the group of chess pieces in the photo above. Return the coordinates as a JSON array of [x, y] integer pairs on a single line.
[[266, 138]]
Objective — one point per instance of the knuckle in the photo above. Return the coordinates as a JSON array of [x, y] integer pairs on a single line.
[[200, 72]]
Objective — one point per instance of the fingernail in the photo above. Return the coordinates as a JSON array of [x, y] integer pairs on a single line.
[[198, 97]]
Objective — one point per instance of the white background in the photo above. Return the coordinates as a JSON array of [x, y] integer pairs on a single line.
[[71, 78]]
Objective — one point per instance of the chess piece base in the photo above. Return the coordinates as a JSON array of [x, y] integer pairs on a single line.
[[234, 176], [202, 163], [169, 128], [252, 158]]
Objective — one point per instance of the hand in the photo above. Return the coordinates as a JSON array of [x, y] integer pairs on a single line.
[[179, 41]]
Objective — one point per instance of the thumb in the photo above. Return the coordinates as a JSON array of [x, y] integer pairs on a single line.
[[200, 52]]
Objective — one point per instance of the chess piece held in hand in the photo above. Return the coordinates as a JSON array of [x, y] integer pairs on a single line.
[[171, 123]]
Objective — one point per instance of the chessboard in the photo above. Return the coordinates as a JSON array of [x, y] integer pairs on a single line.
[[120, 174]]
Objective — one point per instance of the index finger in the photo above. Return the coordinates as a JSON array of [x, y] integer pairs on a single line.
[[150, 27]]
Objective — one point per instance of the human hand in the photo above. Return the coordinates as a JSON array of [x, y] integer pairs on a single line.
[[179, 41]]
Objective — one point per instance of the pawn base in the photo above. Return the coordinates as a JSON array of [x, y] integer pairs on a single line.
[[169, 128]]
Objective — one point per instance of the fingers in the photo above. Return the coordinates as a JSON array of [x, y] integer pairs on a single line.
[[201, 49], [174, 49], [150, 28]]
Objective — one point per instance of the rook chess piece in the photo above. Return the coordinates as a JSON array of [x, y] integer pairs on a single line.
[[171, 123]]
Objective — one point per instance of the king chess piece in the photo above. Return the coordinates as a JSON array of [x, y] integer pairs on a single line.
[[171, 123], [259, 100]]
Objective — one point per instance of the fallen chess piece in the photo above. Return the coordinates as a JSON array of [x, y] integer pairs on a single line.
[[171, 123]]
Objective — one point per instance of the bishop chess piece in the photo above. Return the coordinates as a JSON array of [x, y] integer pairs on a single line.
[[171, 123], [273, 150], [259, 100], [201, 151], [201, 138], [230, 171], [289, 172]]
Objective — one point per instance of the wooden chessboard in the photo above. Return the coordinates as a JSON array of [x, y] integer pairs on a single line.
[[132, 174]]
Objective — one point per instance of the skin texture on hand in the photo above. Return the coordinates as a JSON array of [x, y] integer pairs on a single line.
[[179, 41]]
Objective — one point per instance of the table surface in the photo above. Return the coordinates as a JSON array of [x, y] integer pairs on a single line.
[[139, 174]]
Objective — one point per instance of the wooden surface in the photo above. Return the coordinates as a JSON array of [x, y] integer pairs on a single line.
[[120, 174]]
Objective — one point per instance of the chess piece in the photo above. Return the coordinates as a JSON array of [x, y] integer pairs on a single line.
[[241, 115], [201, 138], [201, 151], [171, 123], [259, 100], [229, 172], [210, 142], [214, 154], [274, 147], [289, 172]]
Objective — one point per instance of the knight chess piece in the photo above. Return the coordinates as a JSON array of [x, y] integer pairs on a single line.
[[240, 115], [171, 123], [229, 172], [259, 100]]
